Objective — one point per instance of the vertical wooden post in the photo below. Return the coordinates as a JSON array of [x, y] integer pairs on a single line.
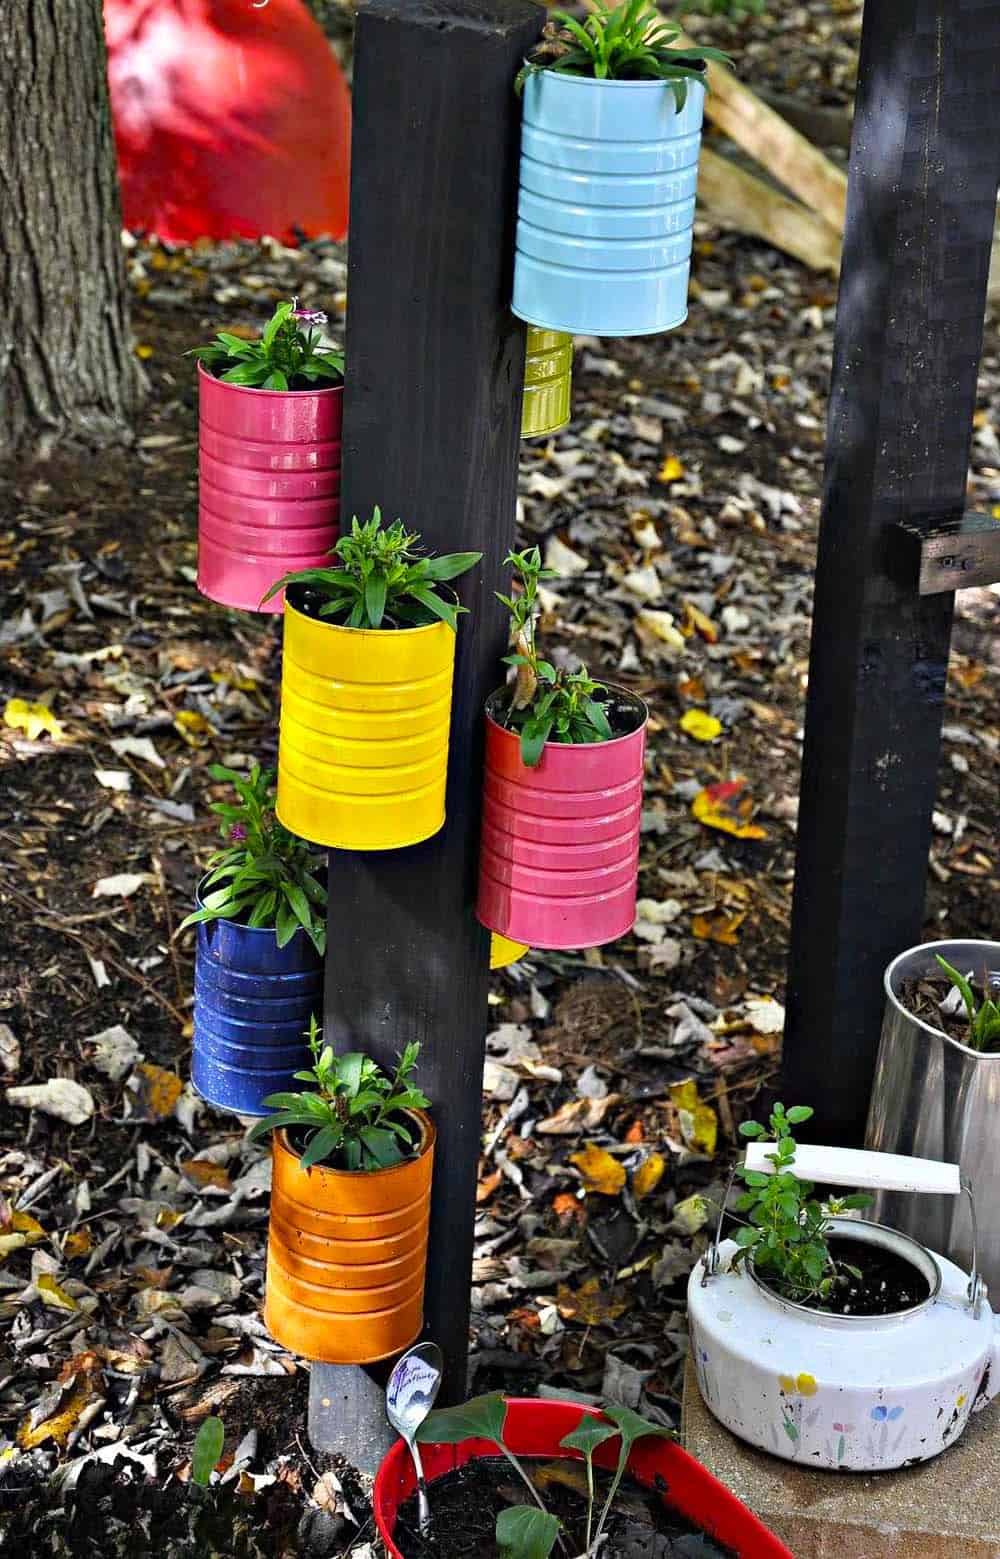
[[925, 162], [431, 430]]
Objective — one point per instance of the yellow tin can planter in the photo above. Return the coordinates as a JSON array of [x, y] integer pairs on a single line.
[[548, 382], [504, 952], [363, 744]]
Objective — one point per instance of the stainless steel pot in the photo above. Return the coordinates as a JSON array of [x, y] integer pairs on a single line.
[[936, 1098]]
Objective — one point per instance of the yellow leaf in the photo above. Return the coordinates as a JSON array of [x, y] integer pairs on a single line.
[[159, 1089], [588, 1305], [696, 621], [144, 350], [692, 1213], [60, 1426], [23, 1223], [671, 470], [724, 807], [193, 726], [52, 1295], [703, 727], [32, 719], [601, 1172], [648, 1176], [718, 927], [79, 1242], [699, 1122], [204, 1173]]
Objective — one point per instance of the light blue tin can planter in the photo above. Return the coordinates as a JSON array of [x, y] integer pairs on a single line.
[[252, 1001], [606, 204]]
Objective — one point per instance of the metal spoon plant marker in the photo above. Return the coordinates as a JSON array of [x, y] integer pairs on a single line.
[[409, 1396]]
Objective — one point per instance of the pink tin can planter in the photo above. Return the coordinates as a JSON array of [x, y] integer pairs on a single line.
[[268, 486], [559, 855]]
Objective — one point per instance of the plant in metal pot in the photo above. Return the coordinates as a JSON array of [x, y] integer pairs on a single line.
[[935, 1088], [786, 1238], [562, 793], [827, 1338], [261, 938], [609, 103], [270, 413], [586, 1482], [984, 1015], [352, 1158], [354, 1116], [628, 42], [289, 353], [366, 689]]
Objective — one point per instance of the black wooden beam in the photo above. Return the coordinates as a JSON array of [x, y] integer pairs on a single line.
[[431, 430], [925, 163]]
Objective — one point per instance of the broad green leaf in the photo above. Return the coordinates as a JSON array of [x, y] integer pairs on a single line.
[[588, 1435], [522, 1532], [207, 1449], [481, 1418]]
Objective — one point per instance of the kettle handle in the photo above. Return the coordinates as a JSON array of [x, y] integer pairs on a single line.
[[862, 1168]]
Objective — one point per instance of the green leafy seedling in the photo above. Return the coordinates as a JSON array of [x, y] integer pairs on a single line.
[[265, 875], [630, 42], [786, 1236], [382, 580], [984, 1021], [351, 1115], [546, 704], [286, 356], [206, 1451]]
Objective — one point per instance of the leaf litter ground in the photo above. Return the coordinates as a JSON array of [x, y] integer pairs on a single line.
[[679, 510]]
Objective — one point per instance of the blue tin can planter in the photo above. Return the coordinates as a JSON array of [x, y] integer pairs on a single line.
[[606, 204], [252, 1001]]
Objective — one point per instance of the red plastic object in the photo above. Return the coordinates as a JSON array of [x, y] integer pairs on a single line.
[[268, 486], [560, 842], [534, 1427], [231, 119]]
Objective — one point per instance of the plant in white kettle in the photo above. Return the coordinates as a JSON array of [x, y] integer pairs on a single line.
[[832, 1341]]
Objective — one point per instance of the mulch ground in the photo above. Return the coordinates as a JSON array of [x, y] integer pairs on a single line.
[[679, 511]]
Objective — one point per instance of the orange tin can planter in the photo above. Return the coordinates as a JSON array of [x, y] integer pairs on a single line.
[[365, 721], [347, 1254]]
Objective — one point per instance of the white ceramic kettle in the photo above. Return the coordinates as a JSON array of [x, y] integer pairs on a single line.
[[858, 1393]]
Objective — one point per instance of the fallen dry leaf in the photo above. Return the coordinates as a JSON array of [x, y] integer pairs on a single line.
[[718, 927], [32, 719], [699, 1122], [601, 1173], [701, 725], [200, 1171], [156, 1090], [588, 1304], [577, 1115], [648, 1176], [696, 622], [59, 1096], [53, 1295], [121, 886], [671, 470], [725, 807]]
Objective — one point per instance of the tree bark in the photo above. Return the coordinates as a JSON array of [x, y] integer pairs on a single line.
[[66, 363]]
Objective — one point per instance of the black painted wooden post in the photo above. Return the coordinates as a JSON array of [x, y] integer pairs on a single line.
[[925, 162], [431, 431]]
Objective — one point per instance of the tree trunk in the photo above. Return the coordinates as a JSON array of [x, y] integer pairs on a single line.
[[66, 361]]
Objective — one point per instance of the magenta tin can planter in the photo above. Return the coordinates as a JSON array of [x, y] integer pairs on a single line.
[[268, 486], [559, 853]]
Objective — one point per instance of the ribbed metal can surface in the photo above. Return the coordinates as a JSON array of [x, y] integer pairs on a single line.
[[606, 204], [548, 382], [268, 486], [559, 849], [347, 1254], [363, 744], [252, 1002]]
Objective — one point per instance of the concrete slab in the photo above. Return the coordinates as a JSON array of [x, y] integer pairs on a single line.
[[947, 1509]]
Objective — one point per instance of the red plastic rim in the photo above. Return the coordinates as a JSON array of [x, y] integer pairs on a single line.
[[534, 1427]]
